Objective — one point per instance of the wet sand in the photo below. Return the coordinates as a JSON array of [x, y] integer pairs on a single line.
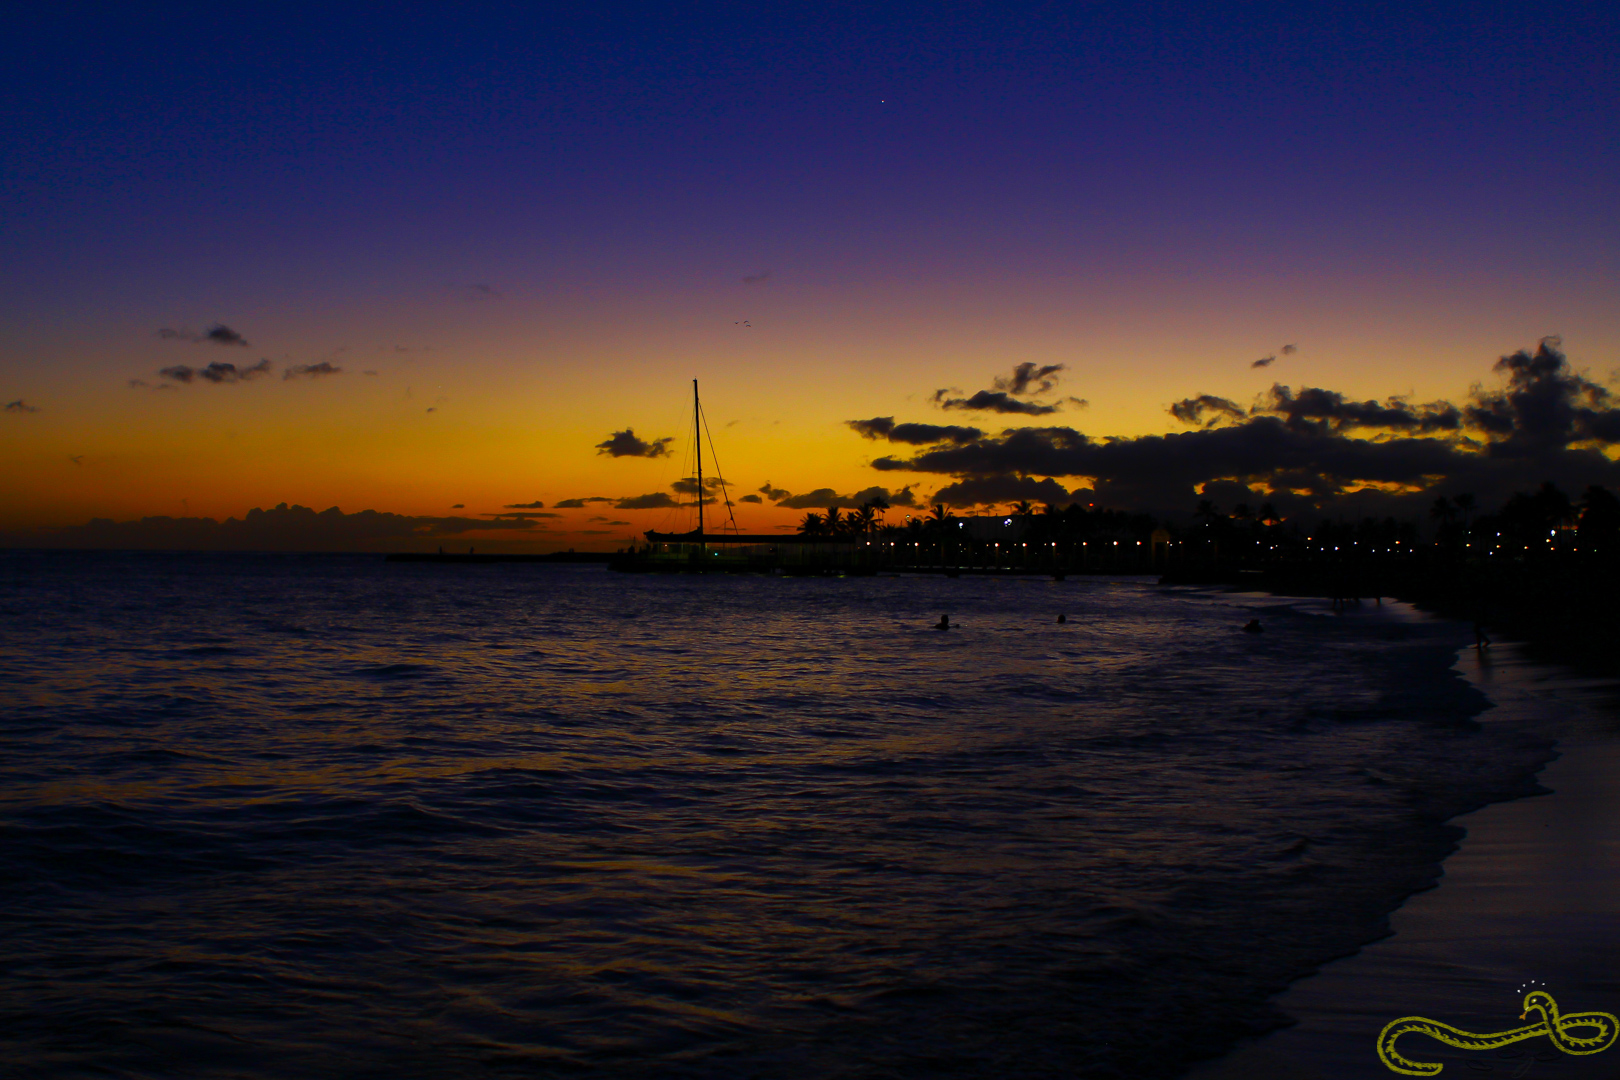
[[1533, 893]]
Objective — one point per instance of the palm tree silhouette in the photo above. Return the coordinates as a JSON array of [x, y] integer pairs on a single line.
[[812, 525]]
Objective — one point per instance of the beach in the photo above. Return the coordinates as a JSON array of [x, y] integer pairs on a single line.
[[1527, 902]]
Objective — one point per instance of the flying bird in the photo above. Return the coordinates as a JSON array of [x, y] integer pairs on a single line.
[[743, 322]]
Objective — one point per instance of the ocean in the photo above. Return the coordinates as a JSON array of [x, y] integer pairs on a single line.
[[268, 816]]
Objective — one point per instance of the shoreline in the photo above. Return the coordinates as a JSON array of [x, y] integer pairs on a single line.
[[1529, 894]]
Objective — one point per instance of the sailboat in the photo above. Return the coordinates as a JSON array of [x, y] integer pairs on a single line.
[[700, 549]]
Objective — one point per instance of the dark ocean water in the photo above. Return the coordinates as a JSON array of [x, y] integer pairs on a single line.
[[287, 816]]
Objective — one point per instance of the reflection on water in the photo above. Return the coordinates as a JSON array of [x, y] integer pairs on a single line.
[[285, 816]]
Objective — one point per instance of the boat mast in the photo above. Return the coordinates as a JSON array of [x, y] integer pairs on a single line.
[[697, 438]]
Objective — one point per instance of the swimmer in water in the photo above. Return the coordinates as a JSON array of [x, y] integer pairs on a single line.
[[1063, 618], [944, 623], [1253, 627]]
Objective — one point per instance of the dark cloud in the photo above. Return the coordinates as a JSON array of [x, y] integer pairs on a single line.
[[1027, 379], [520, 515], [1193, 410], [459, 506], [775, 494], [21, 406], [1161, 472], [884, 427], [578, 504], [224, 335], [998, 490], [536, 505], [1267, 361], [994, 401], [216, 372], [757, 279], [284, 528], [656, 500], [821, 498], [218, 334], [751, 499], [1334, 410], [715, 489], [626, 444], [1314, 407], [1545, 406], [313, 371]]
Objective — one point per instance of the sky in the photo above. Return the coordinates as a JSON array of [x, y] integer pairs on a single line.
[[466, 261]]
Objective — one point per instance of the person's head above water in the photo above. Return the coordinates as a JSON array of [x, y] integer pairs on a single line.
[[944, 623], [1063, 618]]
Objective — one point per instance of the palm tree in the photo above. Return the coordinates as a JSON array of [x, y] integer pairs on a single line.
[[1268, 514], [835, 524], [860, 521], [940, 517], [1023, 508], [812, 525]]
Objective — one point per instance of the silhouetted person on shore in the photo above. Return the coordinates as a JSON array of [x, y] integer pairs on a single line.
[[944, 623], [1253, 627], [1480, 640]]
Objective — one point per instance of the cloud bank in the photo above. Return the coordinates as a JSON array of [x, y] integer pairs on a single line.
[[1314, 450], [283, 528]]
